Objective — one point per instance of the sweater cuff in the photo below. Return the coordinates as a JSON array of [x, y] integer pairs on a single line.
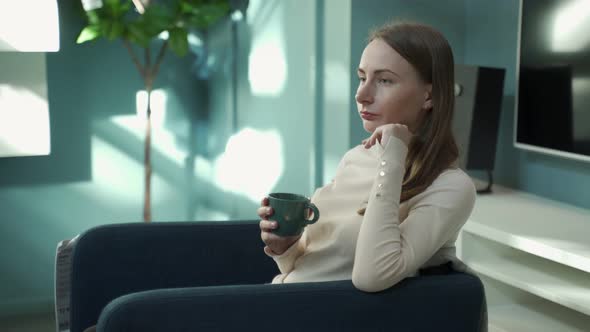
[[395, 149], [286, 260], [386, 189]]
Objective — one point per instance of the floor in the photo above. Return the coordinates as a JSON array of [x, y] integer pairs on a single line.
[[42, 322]]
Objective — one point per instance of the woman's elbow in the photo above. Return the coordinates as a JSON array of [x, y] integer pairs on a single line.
[[364, 285], [371, 284]]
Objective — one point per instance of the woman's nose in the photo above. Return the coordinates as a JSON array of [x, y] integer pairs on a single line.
[[364, 95]]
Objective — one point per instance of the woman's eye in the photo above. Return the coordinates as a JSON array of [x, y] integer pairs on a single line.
[[362, 79], [385, 81]]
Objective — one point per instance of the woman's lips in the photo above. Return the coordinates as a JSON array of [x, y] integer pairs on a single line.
[[369, 116]]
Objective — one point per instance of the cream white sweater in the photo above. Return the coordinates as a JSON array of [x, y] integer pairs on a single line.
[[392, 240]]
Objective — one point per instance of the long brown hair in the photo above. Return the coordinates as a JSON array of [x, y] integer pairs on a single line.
[[433, 148]]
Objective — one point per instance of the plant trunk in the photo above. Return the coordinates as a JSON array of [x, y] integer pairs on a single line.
[[147, 162]]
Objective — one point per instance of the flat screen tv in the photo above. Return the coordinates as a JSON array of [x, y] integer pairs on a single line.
[[553, 78]]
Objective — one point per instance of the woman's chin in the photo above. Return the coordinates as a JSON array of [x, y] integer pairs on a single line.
[[369, 126]]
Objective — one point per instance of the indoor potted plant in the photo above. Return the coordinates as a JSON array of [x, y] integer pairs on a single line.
[[144, 25]]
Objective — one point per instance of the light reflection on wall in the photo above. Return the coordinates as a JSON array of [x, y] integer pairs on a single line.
[[337, 82], [29, 26], [267, 70], [158, 106], [113, 173], [267, 67], [163, 141], [571, 26], [24, 122], [251, 164]]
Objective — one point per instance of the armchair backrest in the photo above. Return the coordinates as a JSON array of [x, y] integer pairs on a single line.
[[113, 260]]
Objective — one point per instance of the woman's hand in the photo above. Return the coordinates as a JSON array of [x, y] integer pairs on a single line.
[[384, 132], [274, 244]]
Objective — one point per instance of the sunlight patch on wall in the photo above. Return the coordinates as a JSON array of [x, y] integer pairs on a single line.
[[157, 105], [267, 64], [163, 141], [118, 184], [117, 176], [24, 123], [24, 107], [29, 26], [337, 82], [571, 26], [252, 163], [267, 69]]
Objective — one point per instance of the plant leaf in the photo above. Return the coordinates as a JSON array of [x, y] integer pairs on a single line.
[[115, 30], [115, 9], [178, 40], [204, 15], [90, 32], [137, 34], [156, 19], [112, 3], [93, 17], [111, 29]]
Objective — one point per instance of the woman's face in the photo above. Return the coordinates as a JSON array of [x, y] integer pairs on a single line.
[[390, 90]]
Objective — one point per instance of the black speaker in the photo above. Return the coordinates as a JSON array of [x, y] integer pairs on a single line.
[[478, 102]]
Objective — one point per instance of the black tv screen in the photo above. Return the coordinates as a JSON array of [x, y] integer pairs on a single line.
[[553, 102]]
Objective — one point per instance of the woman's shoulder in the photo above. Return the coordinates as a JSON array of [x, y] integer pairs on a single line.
[[451, 184], [455, 176], [452, 190]]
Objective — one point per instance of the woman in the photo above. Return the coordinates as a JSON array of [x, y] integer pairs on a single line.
[[398, 201]]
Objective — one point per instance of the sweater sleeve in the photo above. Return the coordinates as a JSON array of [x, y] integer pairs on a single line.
[[387, 252], [286, 260]]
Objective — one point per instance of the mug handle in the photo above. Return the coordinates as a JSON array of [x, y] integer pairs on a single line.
[[316, 213]]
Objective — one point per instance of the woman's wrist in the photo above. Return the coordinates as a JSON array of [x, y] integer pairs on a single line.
[[283, 248]]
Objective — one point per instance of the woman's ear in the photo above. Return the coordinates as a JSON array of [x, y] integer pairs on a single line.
[[427, 105]]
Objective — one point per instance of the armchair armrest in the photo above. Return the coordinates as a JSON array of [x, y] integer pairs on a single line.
[[113, 260], [451, 302]]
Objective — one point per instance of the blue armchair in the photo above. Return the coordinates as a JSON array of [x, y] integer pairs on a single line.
[[213, 276]]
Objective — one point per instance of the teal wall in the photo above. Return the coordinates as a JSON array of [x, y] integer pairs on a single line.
[[94, 173]]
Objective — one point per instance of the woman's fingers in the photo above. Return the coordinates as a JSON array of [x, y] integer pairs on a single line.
[[373, 139], [383, 133], [265, 212], [264, 201], [367, 142], [268, 225]]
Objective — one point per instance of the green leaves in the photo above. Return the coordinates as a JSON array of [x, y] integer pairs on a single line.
[[116, 9], [107, 21], [89, 33], [203, 13], [119, 19], [158, 18], [137, 34], [148, 26], [178, 41], [112, 30]]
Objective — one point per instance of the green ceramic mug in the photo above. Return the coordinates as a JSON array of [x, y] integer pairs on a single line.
[[290, 211]]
